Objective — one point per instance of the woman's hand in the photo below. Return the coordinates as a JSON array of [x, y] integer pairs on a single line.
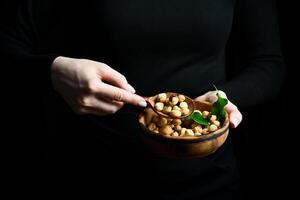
[[235, 116], [91, 87]]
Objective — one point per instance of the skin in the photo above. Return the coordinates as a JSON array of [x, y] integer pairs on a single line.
[[235, 116], [91, 87]]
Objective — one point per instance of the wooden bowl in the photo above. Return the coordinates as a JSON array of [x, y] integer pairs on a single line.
[[184, 147]]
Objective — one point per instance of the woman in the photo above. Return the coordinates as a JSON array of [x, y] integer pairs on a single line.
[[102, 56]]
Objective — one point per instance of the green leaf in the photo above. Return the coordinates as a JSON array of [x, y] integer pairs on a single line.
[[197, 117], [218, 107]]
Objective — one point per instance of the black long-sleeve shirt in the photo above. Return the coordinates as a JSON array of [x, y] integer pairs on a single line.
[[157, 45]]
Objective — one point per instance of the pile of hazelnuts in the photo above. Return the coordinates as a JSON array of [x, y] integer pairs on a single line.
[[176, 106]]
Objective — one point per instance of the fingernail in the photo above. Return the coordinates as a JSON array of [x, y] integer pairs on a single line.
[[143, 104], [130, 88], [234, 122]]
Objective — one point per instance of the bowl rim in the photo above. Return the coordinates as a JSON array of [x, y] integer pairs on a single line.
[[200, 138]]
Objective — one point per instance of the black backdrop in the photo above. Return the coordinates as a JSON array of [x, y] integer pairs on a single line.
[[266, 150]]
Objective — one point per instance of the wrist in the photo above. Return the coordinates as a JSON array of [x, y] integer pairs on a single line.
[[58, 61], [57, 68]]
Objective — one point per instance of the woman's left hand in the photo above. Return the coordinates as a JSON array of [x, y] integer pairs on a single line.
[[235, 116]]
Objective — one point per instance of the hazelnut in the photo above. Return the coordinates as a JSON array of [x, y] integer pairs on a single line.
[[217, 123], [159, 106], [166, 130], [183, 105], [175, 113], [205, 131], [176, 108], [175, 100], [197, 129], [181, 98], [167, 101], [205, 114], [182, 131], [185, 111], [212, 128], [162, 121], [213, 118], [152, 126], [176, 122], [162, 97], [167, 109], [189, 132], [177, 127], [176, 134]]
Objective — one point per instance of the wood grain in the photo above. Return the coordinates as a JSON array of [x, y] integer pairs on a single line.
[[184, 147]]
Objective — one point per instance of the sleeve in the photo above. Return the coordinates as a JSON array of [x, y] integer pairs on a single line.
[[261, 70], [24, 68]]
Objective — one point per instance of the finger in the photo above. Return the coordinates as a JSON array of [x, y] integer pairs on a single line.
[[115, 78], [118, 102], [209, 96], [113, 93], [201, 98], [235, 116], [212, 96], [93, 105]]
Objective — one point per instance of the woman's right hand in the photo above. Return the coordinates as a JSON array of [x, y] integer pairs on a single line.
[[91, 87]]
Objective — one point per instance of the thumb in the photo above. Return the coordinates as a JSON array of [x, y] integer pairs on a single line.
[[208, 96], [235, 116]]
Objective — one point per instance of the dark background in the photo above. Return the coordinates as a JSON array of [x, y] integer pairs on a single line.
[[265, 143]]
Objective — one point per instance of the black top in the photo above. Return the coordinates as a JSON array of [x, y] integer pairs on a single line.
[[158, 45]]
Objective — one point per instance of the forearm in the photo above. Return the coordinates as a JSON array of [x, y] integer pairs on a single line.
[[260, 70], [24, 68], [257, 83], [26, 72]]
